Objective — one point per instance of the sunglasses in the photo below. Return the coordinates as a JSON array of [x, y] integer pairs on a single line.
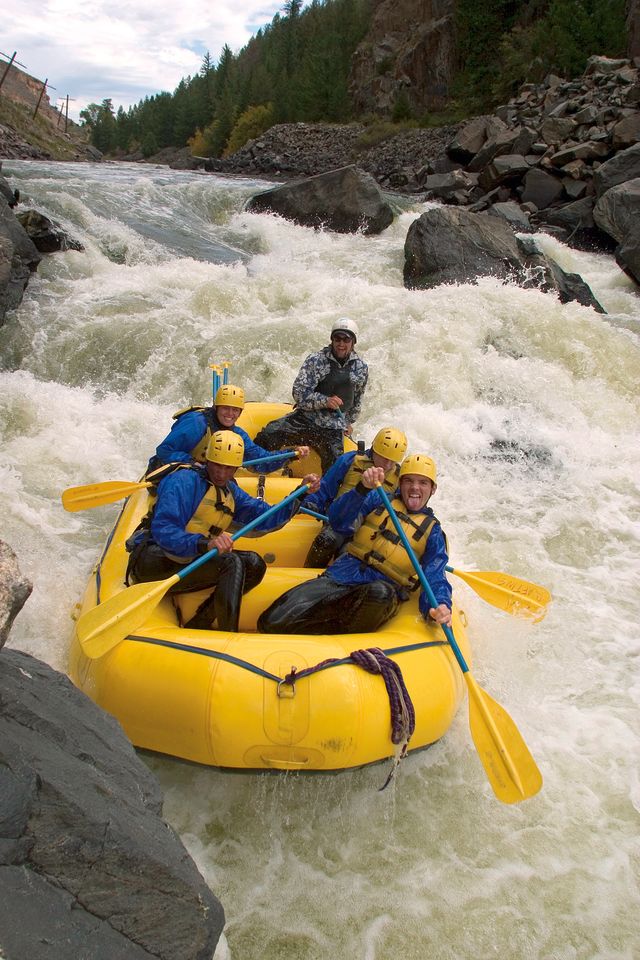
[[341, 338]]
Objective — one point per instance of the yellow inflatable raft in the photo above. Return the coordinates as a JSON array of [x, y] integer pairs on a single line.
[[220, 698]]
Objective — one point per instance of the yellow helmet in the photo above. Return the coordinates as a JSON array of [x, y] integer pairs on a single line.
[[390, 444], [225, 447], [229, 396], [420, 464]]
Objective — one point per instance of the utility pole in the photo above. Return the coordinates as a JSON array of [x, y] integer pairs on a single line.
[[65, 104], [44, 87], [66, 113], [8, 66]]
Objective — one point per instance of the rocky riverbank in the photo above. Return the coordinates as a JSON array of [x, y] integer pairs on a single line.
[[545, 160]]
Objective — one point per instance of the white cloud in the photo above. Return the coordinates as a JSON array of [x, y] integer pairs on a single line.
[[95, 49]]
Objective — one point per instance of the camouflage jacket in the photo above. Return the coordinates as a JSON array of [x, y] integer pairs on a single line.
[[314, 369]]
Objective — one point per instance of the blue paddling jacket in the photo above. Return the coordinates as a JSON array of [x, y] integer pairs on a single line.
[[330, 484], [179, 495], [189, 429]]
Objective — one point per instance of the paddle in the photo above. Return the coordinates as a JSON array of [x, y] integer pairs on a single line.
[[99, 494], [312, 513], [502, 590], [283, 455], [105, 626], [510, 768]]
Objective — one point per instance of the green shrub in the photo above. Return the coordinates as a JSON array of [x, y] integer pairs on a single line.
[[249, 125]]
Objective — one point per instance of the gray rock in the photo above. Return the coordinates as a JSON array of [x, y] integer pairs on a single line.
[[447, 245], [624, 166], [513, 213], [49, 237], [87, 866], [472, 136], [344, 200], [445, 185], [518, 140], [508, 168], [556, 130], [616, 212], [14, 590], [628, 254], [18, 260], [541, 188], [581, 151], [11, 196], [626, 132]]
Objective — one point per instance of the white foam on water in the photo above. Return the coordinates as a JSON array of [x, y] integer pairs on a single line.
[[530, 409]]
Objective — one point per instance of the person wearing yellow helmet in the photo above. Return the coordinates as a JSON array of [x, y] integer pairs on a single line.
[[187, 441], [327, 394], [387, 450], [364, 586], [194, 509]]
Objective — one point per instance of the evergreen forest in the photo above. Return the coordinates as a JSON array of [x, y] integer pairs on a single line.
[[297, 68]]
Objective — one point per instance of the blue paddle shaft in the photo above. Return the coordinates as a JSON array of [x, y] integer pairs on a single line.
[[300, 492], [448, 632], [283, 455], [312, 513]]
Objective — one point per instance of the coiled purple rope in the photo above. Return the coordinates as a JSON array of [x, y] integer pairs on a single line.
[[373, 660]]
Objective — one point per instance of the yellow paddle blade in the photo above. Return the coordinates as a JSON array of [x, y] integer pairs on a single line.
[[515, 596], [106, 625], [510, 768], [98, 494]]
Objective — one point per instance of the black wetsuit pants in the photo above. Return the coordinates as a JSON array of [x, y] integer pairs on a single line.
[[324, 606], [297, 429], [232, 574], [324, 548]]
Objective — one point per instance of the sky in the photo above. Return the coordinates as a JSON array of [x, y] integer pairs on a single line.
[[126, 50]]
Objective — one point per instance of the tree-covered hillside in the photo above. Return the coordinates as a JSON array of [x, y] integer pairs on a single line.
[[297, 69]]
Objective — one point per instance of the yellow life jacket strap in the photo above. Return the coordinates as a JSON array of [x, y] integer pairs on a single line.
[[179, 413]]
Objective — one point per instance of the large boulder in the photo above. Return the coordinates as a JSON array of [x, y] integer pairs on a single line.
[[449, 245], [624, 166], [18, 260], [87, 866], [615, 212], [345, 200]]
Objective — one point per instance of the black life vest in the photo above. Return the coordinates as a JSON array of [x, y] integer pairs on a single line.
[[338, 383]]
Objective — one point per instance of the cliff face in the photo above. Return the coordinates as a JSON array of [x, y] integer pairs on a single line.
[[410, 47], [23, 88], [45, 136]]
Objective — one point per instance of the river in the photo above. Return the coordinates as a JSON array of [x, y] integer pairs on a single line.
[[530, 408]]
